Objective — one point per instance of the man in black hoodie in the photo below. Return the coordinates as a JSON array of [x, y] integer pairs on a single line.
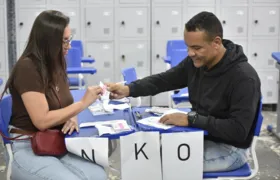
[[224, 91]]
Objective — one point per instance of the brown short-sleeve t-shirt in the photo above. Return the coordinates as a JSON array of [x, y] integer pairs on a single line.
[[27, 78]]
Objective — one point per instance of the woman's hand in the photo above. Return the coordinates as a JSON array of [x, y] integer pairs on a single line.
[[71, 125]]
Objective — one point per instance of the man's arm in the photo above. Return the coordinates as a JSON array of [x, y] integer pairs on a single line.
[[174, 78], [244, 105]]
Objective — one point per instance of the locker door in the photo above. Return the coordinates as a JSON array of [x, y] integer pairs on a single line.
[[25, 22], [4, 78], [234, 21], [73, 14], [64, 2], [133, 1], [1, 2], [201, 1], [191, 11], [269, 86], [2, 23], [3, 58], [167, 1], [265, 21], [233, 2], [99, 1], [135, 54], [31, 2], [22, 46], [261, 53], [103, 53], [95, 29], [133, 22], [158, 66], [266, 1], [167, 21]]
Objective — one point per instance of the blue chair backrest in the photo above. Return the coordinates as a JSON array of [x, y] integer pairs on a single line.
[[73, 58], [259, 119], [177, 51], [129, 75], [78, 44], [5, 115]]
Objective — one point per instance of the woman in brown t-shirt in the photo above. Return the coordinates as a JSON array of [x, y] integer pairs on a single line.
[[42, 100]]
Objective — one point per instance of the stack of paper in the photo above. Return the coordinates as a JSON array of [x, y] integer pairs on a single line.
[[108, 127], [154, 121]]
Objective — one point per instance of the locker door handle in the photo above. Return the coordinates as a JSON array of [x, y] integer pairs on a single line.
[[89, 55], [123, 56], [255, 54], [157, 55], [224, 22], [88, 23], [158, 22], [123, 23], [21, 23], [256, 21]]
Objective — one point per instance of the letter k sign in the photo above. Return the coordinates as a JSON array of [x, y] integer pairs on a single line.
[[140, 156], [140, 150]]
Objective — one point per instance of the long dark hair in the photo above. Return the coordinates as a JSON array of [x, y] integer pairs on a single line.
[[44, 47]]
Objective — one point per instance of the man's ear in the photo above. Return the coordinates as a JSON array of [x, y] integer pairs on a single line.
[[217, 41]]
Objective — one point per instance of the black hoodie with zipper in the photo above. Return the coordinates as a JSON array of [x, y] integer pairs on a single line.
[[226, 97]]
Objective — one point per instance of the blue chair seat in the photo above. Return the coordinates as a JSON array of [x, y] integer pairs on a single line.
[[244, 171], [73, 81], [181, 96]]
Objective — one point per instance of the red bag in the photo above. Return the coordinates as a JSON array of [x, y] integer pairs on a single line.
[[48, 143], [44, 143]]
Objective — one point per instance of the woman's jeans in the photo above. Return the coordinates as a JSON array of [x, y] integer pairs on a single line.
[[222, 157], [28, 166]]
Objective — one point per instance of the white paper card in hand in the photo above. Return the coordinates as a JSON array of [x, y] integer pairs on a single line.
[[154, 121], [105, 92], [92, 149]]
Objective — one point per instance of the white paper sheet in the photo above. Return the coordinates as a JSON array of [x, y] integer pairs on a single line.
[[154, 121], [182, 155], [140, 156], [90, 148], [108, 127]]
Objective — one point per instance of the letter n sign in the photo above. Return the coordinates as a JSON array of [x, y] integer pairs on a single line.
[[182, 155]]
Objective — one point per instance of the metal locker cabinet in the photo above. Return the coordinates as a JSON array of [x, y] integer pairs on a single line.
[[99, 22], [260, 57], [265, 21], [133, 22], [234, 20], [167, 21], [103, 53]]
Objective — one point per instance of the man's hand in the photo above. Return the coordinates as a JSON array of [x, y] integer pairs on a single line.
[[117, 91], [71, 125], [177, 119]]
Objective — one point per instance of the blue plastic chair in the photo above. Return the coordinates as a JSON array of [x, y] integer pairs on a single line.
[[79, 45], [129, 75], [73, 60], [176, 51], [5, 114], [245, 172]]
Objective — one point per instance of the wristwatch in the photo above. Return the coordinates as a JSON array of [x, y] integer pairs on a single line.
[[192, 116]]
